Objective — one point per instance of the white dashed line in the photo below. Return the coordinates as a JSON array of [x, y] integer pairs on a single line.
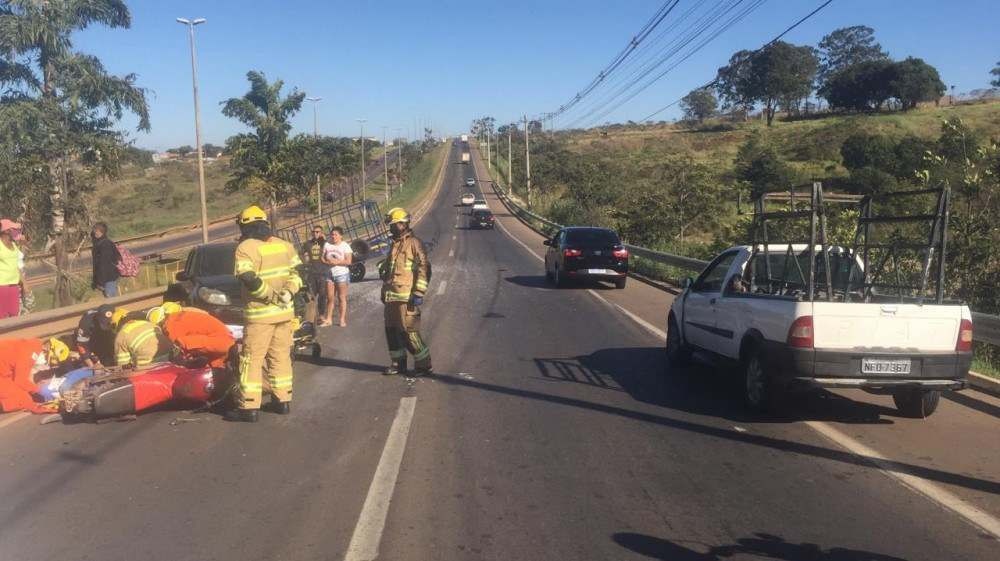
[[441, 287], [451, 253], [368, 532], [11, 418]]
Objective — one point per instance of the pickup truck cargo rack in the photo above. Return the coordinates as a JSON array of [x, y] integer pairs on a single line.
[[895, 255]]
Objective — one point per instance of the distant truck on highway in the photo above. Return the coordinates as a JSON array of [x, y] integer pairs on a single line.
[[465, 138], [465, 157], [794, 316]]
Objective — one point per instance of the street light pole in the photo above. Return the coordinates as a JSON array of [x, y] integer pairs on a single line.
[[197, 125], [363, 180], [319, 192], [527, 161], [510, 159], [385, 164]]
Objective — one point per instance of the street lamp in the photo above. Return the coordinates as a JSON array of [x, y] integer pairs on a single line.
[[362, 121], [190, 23], [319, 194]]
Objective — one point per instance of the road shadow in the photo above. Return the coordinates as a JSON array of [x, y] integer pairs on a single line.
[[969, 400], [539, 281], [760, 544], [340, 363], [704, 388]]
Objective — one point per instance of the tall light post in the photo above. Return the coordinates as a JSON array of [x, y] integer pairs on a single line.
[[190, 23], [385, 164], [527, 161], [510, 160], [319, 193], [363, 181], [399, 155]]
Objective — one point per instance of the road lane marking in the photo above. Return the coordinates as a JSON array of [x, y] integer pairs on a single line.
[[451, 252], [441, 287], [970, 513], [11, 418], [454, 237], [642, 323], [368, 532]]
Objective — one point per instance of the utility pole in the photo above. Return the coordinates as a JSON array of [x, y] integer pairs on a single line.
[[385, 164], [527, 161], [510, 178], [363, 181], [190, 23], [399, 155], [319, 193], [489, 162]]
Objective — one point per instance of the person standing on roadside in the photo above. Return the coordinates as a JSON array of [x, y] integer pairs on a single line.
[[406, 275], [338, 255], [318, 273], [11, 265], [106, 257]]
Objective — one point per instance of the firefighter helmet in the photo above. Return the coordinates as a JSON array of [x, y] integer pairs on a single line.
[[58, 351], [155, 315], [252, 214], [117, 317], [171, 308], [397, 214]]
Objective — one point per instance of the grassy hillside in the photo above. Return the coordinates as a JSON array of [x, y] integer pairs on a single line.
[[164, 195]]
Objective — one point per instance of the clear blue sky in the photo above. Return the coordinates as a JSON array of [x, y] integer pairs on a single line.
[[448, 61]]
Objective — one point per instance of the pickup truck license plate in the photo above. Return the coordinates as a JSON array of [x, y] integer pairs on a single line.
[[885, 366]]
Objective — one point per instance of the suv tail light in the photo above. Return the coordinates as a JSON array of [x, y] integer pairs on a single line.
[[569, 252], [800, 334], [620, 253], [964, 336]]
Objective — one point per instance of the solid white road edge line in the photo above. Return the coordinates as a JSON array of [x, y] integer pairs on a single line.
[[441, 287], [11, 418], [970, 513], [929, 490], [368, 532]]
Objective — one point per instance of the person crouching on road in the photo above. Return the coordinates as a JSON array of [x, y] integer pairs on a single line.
[[94, 337], [318, 273], [338, 255], [140, 342], [197, 334], [405, 275], [20, 360], [266, 267]]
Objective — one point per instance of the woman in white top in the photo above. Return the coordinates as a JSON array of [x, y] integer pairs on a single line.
[[337, 253]]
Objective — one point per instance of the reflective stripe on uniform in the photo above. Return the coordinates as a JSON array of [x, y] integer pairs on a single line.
[[421, 285], [268, 310], [271, 248], [391, 296], [280, 381], [243, 265]]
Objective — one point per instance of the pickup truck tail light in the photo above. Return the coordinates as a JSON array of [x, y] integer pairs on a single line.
[[800, 334], [964, 343], [620, 253], [569, 252]]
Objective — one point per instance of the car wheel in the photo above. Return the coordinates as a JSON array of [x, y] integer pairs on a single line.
[[357, 272], [758, 392], [558, 279], [620, 283], [548, 275], [678, 352], [915, 403], [317, 351]]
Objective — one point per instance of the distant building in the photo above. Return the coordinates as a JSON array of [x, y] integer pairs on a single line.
[[160, 157]]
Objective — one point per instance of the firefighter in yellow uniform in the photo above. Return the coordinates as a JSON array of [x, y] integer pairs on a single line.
[[266, 268], [405, 276], [139, 342]]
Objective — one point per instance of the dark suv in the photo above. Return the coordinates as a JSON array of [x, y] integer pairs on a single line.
[[208, 282], [481, 218], [586, 253]]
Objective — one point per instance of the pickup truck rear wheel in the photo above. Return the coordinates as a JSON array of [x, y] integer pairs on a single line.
[[357, 271], [915, 403], [678, 352], [757, 388]]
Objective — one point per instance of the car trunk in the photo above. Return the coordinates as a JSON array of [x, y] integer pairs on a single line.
[[596, 249], [889, 326]]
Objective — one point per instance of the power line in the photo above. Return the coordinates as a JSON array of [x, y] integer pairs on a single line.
[[636, 40], [768, 44]]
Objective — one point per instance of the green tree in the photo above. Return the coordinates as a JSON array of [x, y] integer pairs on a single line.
[[255, 157], [995, 72], [736, 83], [699, 104], [847, 47], [864, 86], [862, 150], [781, 74], [58, 116], [759, 167], [913, 81]]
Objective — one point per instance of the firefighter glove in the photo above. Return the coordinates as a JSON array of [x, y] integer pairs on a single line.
[[416, 300], [250, 280], [285, 296]]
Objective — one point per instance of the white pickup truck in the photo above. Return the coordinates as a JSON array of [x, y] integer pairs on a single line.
[[781, 340]]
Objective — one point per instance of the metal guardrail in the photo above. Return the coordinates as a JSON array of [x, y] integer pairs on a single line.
[[57, 315], [986, 327]]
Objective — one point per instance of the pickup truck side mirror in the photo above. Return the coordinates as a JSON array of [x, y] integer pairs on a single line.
[[182, 276], [546, 242], [687, 283]]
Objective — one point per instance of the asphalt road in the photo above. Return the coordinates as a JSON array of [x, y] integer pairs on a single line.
[[551, 430]]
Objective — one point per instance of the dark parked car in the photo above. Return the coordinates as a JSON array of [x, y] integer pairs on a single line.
[[208, 282], [481, 218], [585, 253]]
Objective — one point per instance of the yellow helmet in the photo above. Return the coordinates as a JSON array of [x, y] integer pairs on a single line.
[[171, 308], [251, 214], [118, 316], [397, 214], [58, 350], [155, 315]]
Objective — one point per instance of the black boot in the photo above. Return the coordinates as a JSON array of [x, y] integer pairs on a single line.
[[280, 407], [423, 370], [241, 415], [396, 367]]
